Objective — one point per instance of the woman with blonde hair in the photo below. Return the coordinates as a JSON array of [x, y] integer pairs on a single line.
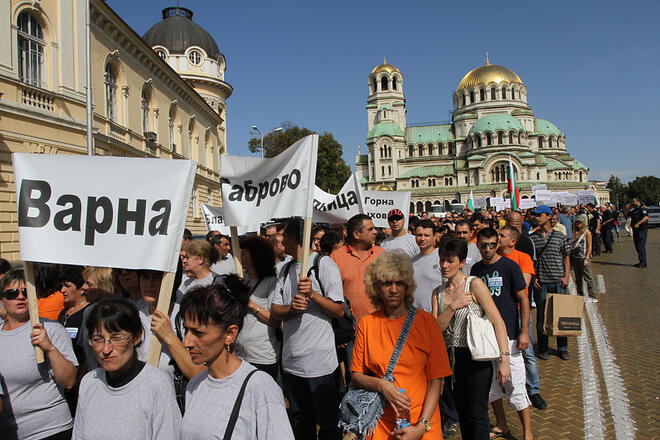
[[423, 361], [580, 256], [98, 280], [197, 257]]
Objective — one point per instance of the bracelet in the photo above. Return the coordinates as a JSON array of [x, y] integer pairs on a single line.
[[452, 308], [256, 312], [505, 353]]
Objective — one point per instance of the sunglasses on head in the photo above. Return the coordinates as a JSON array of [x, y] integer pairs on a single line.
[[13, 293], [487, 244]]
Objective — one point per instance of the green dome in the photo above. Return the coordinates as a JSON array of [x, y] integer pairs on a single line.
[[429, 134], [385, 129], [496, 121], [543, 127]]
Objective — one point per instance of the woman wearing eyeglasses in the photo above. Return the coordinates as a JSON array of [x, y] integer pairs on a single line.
[[125, 398], [197, 257], [213, 317], [34, 407]]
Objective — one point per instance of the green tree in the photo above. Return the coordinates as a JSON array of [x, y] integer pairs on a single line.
[[331, 169], [619, 190], [646, 188]]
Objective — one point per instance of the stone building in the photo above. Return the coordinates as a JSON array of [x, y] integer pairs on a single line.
[[441, 162], [153, 97]]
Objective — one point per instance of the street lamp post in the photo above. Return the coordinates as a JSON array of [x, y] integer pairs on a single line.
[[261, 136]]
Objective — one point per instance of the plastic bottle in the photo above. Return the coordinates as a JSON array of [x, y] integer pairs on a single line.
[[403, 419]]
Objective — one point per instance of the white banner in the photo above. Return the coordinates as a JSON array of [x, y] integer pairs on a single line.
[[378, 203], [214, 217], [527, 203], [536, 188], [586, 196], [102, 211], [254, 190], [329, 208], [479, 202]]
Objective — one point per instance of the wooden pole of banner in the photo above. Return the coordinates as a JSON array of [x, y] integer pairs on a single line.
[[164, 300], [305, 246], [236, 250], [32, 305]]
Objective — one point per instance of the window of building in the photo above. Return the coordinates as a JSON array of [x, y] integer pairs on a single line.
[[478, 141], [489, 139], [30, 50], [383, 83], [472, 97], [161, 53], [550, 142], [503, 93], [110, 92], [195, 57], [420, 150], [511, 138], [440, 148], [389, 170], [492, 94], [482, 95], [410, 150], [382, 171], [500, 138], [451, 148], [540, 142], [145, 100], [538, 176], [374, 85], [394, 85], [430, 149], [171, 127], [464, 100]]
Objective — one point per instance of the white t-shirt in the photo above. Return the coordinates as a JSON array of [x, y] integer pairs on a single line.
[[224, 266], [280, 265], [309, 342], [193, 282], [165, 355], [427, 277], [209, 402], [473, 256], [257, 341], [406, 243]]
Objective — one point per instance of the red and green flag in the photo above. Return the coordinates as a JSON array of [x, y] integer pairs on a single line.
[[513, 188], [470, 203]]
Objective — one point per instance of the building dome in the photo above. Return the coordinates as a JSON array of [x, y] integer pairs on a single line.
[[494, 122], [489, 73], [177, 32], [385, 67]]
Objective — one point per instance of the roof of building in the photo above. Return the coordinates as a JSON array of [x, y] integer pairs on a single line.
[[487, 74], [177, 32], [554, 164], [385, 67], [466, 116], [385, 129], [520, 111], [445, 170], [543, 127], [363, 158], [577, 165], [496, 121], [429, 134]]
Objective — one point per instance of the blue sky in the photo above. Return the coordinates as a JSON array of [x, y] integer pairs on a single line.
[[590, 67]]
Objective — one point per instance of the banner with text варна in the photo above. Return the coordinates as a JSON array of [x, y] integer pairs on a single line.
[[102, 211], [254, 190]]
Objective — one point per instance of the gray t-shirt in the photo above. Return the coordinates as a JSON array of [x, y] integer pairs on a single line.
[[33, 405], [406, 243], [209, 403], [427, 277], [309, 342], [224, 266], [193, 282], [145, 408], [257, 341], [473, 256], [164, 363], [280, 265]]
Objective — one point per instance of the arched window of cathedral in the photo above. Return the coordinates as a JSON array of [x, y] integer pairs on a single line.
[[410, 150], [540, 142], [513, 93], [389, 151], [550, 142], [503, 93], [420, 207], [428, 205], [519, 138], [463, 99], [489, 139], [111, 92], [389, 170], [430, 149], [31, 46], [478, 141], [451, 148], [374, 85], [381, 151], [511, 138], [482, 95], [145, 101], [394, 83], [538, 176], [472, 97], [497, 174], [580, 176], [382, 171], [500, 137], [492, 94], [440, 148], [383, 83], [420, 150], [412, 208]]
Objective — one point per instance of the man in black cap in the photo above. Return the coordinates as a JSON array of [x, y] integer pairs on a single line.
[[400, 238]]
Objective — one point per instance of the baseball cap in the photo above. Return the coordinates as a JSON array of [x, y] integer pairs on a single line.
[[543, 209], [395, 213], [581, 218]]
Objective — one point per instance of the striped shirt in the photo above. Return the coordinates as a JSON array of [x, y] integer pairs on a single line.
[[550, 251], [456, 332]]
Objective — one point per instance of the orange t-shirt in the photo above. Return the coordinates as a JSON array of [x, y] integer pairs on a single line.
[[51, 306], [423, 358], [352, 269], [523, 260]]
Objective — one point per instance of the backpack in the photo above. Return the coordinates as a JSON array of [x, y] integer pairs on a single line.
[[344, 327]]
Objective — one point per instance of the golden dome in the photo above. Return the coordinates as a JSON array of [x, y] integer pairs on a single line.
[[385, 67], [384, 187], [487, 74]]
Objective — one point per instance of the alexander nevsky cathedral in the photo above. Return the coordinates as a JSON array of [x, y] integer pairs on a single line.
[[441, 162]]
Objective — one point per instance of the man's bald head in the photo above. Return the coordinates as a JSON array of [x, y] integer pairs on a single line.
[[514, 219]]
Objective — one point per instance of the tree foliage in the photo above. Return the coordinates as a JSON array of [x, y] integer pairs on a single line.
[[646, 188], [331, 170], [619, 190]]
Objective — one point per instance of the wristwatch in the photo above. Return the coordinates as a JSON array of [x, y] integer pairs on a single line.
[[427, 424]]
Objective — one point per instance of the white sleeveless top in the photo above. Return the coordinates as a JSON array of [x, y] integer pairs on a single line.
[[456, 332]]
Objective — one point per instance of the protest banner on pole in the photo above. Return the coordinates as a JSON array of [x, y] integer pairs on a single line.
[[527, 203], [104, 215], [378, 203], [330, 208], [163, 305], [214, 217], [32, 305]]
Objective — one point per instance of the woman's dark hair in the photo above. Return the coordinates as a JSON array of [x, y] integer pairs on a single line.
[[451, 246], [178, 276], [46, 279], [5, 266], [444, 229], [221, 304], [328, 242], [10, 277], [261, 254], [119, 289], [115, 315], [72, 274]]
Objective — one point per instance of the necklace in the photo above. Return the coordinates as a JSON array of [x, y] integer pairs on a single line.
[[73, 311]]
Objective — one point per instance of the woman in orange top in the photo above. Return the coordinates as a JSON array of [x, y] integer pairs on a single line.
[[423, 361]]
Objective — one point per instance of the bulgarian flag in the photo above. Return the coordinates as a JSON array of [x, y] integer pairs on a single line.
[[470, 203], [513, 188]]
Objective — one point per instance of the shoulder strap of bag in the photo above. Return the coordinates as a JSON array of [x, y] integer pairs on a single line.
[[315, 269], [401, 341], [237, 407], [547, 242]]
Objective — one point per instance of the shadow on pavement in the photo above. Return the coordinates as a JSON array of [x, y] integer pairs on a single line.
[[608, 263]]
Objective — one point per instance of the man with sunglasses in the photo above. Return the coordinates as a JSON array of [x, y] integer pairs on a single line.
[[399, 238], [508, 288]]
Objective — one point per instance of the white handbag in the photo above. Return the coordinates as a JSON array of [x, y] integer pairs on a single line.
[[481, 335]]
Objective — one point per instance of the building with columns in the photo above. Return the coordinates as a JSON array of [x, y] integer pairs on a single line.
[[161, 96], [441, 162]]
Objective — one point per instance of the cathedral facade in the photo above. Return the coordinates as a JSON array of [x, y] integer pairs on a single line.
[[440, 163]]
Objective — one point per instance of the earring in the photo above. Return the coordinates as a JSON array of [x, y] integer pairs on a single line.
[[229, 347]]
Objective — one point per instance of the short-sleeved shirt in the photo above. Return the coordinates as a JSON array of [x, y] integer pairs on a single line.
[[637, 214], [550, 251], [523, 261], [593, 220], [568, 224], [406, 243], [423, 358], [309, 341], [257, 341], [33, 406], [51, 306], [72, 324], [503, 278], [352, 269], [607, 215], [526, 245], [224, 266], [473, 256], [427, 276]]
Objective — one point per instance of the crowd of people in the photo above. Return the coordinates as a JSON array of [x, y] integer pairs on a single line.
[[270, 355]]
